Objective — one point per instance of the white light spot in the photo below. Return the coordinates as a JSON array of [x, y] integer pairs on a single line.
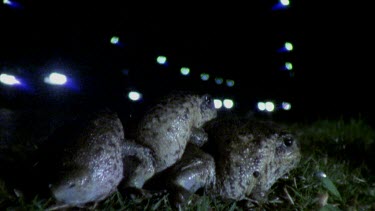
[[134, 96], [270, 106], [286, 106], [228, 103], [8, 2], [9, 79], [285, 2], [115, 40], [185, 70], [321, 174], [261, 106], [161, 59], [218, 103], [205, 76], [56, 79]]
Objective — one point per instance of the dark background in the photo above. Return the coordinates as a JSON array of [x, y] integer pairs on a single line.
[[332, 56]]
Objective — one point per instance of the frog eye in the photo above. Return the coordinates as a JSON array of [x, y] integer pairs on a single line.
[[288, 141], [256, 174], [208, 102]]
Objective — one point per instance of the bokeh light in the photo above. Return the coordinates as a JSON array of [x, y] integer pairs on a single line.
[[288, 46], [228, 103], [9, 79], [286, 106], [161, 60], [185, 71], [285, 2], [115, 40], [134, 96], [261, 106], [230, 83], [288, 66], [270, 106], [219, 80], [218, 103], [205, 76], [56, 79]]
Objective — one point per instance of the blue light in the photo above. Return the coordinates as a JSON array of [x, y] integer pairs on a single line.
[[282, 4], [185, 71], [219, 81], [56, 79], [9, 79], [161, 60], [230, 83], [286, 106], [12, 4], [205, 76]]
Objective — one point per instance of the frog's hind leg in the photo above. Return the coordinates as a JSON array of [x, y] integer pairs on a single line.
[[195, 171], [139, 166]]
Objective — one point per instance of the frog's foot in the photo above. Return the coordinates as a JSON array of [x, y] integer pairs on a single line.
[[180, 197]]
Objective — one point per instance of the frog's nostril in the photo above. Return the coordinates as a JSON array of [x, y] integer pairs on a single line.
[[72, 185]]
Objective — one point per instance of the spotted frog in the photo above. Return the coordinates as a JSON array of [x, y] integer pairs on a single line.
[[88, 162], [242, 159], [163, 133]]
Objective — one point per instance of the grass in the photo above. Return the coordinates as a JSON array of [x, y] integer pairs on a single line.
[[336, 173]]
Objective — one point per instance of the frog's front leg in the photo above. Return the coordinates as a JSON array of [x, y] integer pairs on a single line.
[[195, 170], [198, 136], [139, 166]]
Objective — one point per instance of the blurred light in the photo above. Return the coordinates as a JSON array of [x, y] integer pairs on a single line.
[[261, 106], [9, 79], [12, 4], [270, 106], [115, 40], [228, 103], [320, 174], [282, 4], [285, 2], [286, 106], [161, 59], [185, 70], [230, 83], [205, 76], [8, 2], [218, 103], [288, 66], [218, 80], [288, 46], [134, 96], [56, 79]]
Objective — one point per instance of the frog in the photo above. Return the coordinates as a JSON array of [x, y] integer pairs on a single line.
[[163, 133], [245, 157], [88, 163]]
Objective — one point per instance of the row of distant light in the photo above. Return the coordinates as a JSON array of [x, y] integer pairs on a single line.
[[227, 103], [270, 106], [185, 71], [53, 79]]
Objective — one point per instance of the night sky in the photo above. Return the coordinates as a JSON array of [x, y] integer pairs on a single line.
[[332, 55]]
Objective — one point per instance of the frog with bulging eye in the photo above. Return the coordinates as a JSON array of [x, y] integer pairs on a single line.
[[242, 159]]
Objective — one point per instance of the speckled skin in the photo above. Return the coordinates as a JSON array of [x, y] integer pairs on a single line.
[[91, 168], [170, 125], [248, 157]]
